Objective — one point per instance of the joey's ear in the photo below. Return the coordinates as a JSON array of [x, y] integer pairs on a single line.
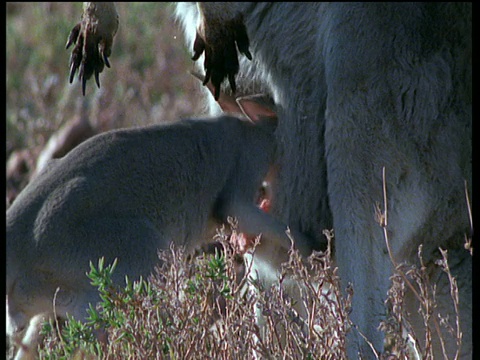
[[257, 107], [227, 103], [254, 107]]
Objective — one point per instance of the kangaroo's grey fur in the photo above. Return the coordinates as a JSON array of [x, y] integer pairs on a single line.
[[359, 87]]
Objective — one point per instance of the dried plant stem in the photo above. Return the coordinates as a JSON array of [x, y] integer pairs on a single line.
[[454, 295], [57, 325], [383, 221]]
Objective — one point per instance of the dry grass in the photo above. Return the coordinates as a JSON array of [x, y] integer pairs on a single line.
[[200, 308]]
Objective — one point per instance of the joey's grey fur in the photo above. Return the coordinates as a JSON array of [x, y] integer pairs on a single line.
[[359, 87], [124, 194]]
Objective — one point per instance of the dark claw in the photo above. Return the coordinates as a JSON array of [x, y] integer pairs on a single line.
[[242, 40], [105, 60], [72, 38], [231, 80], [81, 71], [217, 79], [73, 69], [207, 76], [198, 47], [84, 83], [196, 56], [97, 79]]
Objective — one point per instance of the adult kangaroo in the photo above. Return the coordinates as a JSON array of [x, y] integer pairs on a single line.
[[359, 87]]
